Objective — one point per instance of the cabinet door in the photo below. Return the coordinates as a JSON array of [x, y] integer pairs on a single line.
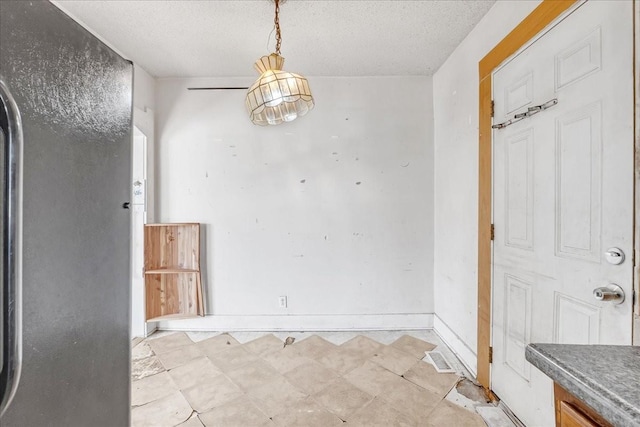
[[573, 417]]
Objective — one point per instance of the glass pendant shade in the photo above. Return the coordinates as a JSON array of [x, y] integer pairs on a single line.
[[277, 96]]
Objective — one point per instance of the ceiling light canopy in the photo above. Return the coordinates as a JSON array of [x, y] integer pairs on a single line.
[[277, 96]]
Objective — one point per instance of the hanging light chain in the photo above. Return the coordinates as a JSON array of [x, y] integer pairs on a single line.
[[277, 22]]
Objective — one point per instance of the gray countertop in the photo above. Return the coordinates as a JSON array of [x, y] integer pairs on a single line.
[[605, 377]]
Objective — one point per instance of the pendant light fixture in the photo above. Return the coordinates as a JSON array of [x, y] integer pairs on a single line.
[[277, 96]]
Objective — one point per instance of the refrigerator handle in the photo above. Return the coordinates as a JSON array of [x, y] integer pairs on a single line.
[[11, 324]]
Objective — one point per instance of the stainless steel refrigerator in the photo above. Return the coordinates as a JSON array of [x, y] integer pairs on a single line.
[[65, 230]]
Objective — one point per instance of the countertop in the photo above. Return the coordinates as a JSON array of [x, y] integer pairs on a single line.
[[605, 377]]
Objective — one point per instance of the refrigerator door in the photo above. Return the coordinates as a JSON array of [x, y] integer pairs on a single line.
[[74, 95]]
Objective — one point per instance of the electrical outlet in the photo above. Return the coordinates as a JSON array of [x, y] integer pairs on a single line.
[[282, 301]]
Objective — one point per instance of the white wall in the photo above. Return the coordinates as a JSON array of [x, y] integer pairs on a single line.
[[334, 210], [144, 101], [143, 120], [144, 88], [456, 178]]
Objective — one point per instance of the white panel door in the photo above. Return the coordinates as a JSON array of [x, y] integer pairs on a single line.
[[563, 195]]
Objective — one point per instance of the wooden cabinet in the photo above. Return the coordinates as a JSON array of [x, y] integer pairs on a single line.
[[173, 285], [571, 412]]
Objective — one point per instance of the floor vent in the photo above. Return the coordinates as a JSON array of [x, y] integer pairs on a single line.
[[439, 362]]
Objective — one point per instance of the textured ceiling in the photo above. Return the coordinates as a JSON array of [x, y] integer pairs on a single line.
[[189, 38]]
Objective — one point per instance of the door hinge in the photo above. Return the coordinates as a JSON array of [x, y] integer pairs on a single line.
[[493, 107], [493, 232], [490, 354]]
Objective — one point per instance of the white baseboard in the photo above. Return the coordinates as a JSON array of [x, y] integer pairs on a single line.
[[467, 356], [150, 328], [359, 322]]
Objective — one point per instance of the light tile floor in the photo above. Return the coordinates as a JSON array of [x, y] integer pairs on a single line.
[[375, 378]]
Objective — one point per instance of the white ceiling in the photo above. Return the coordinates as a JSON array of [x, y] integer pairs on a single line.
[[216, 38]]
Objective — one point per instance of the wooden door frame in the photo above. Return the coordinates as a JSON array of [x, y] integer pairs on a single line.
[[543, 15]]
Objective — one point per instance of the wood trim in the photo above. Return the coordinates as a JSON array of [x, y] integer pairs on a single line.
[[484, 235], [537, 20]]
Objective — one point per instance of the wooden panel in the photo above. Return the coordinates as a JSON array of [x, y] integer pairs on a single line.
[[542, 16], [199, 296], [173, 286], [170, 294], [172, 246], [171, 270], [572, 412]]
